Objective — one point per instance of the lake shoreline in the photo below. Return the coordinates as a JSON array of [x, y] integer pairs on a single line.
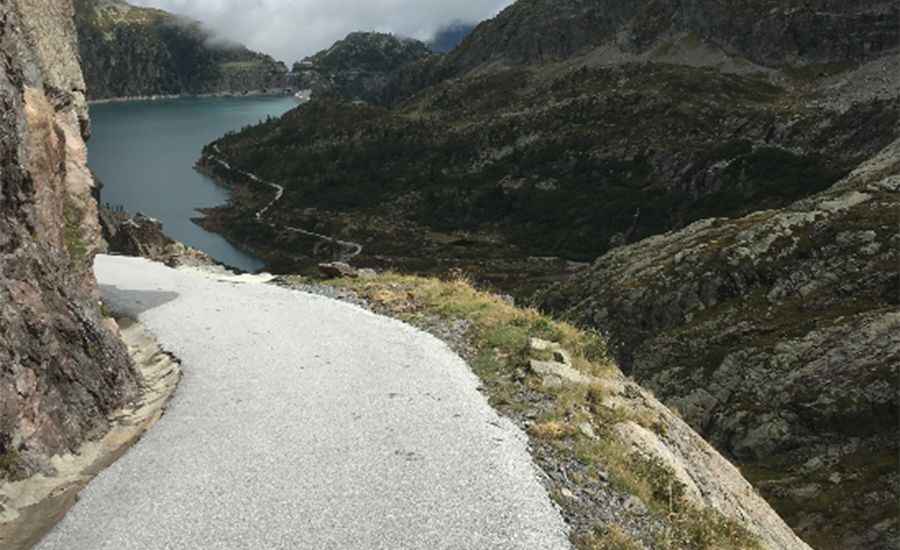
[[145, 152], [165, 97]]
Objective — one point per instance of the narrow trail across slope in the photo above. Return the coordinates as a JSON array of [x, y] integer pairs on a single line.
[[306, 423], [353, 249]]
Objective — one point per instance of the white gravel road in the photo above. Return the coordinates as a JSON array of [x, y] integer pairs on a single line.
[[306, 423]]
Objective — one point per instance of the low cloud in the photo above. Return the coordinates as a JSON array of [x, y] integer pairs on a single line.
[[292, 29]]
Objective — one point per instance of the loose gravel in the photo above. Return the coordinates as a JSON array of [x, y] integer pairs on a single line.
[[303, 422]]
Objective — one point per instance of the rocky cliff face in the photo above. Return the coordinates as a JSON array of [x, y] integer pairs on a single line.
[[128, 51], [62, 369], [777, 336], [359, 67]]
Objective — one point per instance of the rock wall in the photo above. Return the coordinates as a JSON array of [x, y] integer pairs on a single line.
[[62, 368]]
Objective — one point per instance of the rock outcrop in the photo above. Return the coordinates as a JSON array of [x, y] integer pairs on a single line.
[[777, 336], [143, 237], [129, 51], [62, 367]]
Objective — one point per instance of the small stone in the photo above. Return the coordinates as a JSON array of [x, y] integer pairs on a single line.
[[541, 345], [587, 430], [562, 356], [552, 382], [337, 270], [633, 505], [565, 373], [567, 494], [367, 274]]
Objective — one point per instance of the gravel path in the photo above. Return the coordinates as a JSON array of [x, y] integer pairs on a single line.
[[352, 249], [306, 423]]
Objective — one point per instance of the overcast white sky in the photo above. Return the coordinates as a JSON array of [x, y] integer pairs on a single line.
[[292, 29]]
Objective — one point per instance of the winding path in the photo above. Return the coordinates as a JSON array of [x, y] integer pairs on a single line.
[[306, 423], [354, 249]]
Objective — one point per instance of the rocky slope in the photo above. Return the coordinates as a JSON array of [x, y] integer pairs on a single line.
[[359, 67], [128, 51], [570, 129], [769, 32], [777, 336], [62, 367]]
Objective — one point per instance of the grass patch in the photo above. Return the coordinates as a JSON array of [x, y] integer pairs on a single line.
[[608, 537], [106, 312], [10, 462], [551, 430], [695, 528], [75, 244]]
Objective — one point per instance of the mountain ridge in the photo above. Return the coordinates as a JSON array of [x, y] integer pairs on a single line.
[[128, 51]]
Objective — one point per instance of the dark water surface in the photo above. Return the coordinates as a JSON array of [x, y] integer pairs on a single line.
[[144, 153]]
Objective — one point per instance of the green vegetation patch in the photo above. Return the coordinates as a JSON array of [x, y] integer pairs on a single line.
[[10, 465], [767, 177], [72, 234]]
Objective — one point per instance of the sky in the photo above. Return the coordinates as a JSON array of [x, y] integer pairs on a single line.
[[292, 29]]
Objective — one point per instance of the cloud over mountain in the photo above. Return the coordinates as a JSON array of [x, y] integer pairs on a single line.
[[292, 29]]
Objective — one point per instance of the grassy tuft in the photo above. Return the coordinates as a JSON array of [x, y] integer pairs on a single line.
[[551, 430], [608, 537], [74, 240], [10, 462]]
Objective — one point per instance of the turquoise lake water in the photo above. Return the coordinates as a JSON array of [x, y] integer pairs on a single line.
[[144, 153]]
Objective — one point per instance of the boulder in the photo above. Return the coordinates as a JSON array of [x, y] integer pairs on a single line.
[[338, 270]]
